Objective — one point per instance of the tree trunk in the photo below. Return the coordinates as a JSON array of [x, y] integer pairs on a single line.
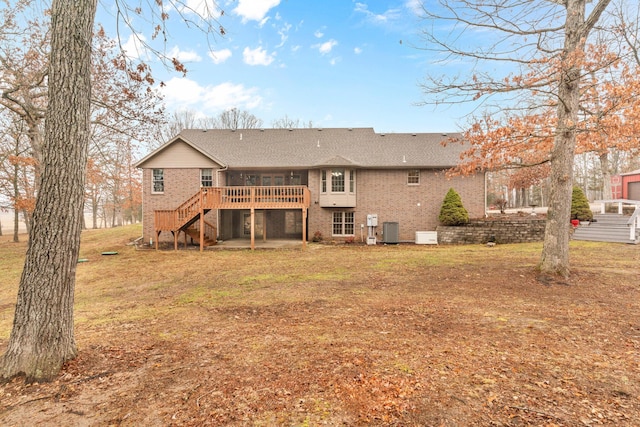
[[16, 226], [16, 195], [605, 168], [555, 251], [42, 337], [94, 212]]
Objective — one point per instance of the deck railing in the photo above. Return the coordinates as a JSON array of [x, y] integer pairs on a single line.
[[236, 197], [634, 223], [165, 220], [262, 197], [619, 202]]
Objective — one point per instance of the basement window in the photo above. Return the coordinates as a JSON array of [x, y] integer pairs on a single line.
[[343, 224]]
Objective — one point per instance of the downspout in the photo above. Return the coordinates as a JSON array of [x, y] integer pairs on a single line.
[[224, 169], [486, 213]]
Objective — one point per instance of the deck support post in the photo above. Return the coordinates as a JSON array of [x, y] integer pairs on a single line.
[[201, 223], [304, 228], [157, 238], [253, 228], [264, 225], [175, 239]]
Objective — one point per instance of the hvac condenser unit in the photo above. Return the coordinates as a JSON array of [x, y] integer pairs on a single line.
[[390, 232]]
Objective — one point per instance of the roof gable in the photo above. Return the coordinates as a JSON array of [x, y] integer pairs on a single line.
[[178, 153]]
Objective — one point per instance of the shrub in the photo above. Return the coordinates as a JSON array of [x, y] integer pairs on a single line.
[[317, 237], [580, 208], [452, 212]]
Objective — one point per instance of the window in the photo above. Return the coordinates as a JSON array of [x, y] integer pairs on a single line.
[[413, 177], [206, 178], [250, 179], [343, 224], [337, 181], [324, 181], [352, 181], [157, 181]]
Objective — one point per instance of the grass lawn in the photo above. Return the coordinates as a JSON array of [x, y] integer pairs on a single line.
[[401, 335]]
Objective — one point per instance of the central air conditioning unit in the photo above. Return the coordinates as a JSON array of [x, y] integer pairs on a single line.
[[390, 233]]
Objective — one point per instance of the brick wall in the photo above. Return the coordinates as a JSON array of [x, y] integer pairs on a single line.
[[383, 192], [504, 231], [179, 185], [387, 194]]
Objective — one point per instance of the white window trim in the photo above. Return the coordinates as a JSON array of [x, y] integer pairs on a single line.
[[408, 175], [343, 214], [326, 179], [201, 176], [153, 182]]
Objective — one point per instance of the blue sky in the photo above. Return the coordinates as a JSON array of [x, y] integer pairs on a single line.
[[336, 63]]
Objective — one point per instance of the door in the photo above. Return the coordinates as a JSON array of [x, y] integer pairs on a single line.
[[633, 192], [269, 180]]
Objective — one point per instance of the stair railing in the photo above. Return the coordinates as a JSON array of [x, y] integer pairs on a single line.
[[186, 211], [634, 223], [210, 230]]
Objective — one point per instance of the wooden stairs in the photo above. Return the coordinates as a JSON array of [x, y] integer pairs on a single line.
[[608, 228], [209, 237], [188, 218]]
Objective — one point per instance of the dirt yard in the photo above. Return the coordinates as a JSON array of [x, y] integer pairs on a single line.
[[340, 335]]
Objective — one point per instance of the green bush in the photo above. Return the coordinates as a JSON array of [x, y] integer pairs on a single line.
[[580, 208], [452, 212]]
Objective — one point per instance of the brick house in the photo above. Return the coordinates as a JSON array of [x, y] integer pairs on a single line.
[[205, 185]]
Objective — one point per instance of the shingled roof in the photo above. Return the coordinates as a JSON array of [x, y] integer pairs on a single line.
[[316, 148]]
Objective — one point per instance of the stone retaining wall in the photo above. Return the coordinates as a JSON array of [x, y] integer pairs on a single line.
[[480, 231]]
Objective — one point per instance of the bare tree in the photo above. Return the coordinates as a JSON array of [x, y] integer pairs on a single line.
[[23, 72], [288, 123], [179, 120], [42, 337], [550, 34], [237, 119]]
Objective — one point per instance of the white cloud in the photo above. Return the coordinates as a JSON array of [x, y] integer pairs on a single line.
[[181, 92], [326, 47], [257, 56], [134, 47], [220, 56], [318, 34], [283, 32], [254, 10], [378, 18], [415, 6], [184, 93], [184, 55], [357, 50], [229, 95]]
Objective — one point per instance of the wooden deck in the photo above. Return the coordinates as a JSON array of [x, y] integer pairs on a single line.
[[251, 198]]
